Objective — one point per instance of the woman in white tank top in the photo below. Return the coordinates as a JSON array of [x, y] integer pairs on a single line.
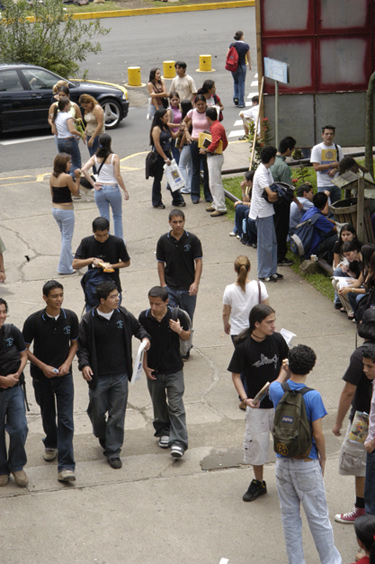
[[108, 182]]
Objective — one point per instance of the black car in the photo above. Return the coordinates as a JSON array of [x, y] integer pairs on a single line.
[[26, 95]]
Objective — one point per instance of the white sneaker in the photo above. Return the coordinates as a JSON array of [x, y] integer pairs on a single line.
[[177, 451], [185, 191], [66, 476], [50, 454], [164, 441]]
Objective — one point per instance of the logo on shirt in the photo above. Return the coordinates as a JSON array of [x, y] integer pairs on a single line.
[[67, 330], [9, 342], [120, 324], [265, 360], [187, 247]]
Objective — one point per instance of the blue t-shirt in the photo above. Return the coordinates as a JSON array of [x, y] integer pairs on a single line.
[[313, 402], [322, 227], [242, 48]]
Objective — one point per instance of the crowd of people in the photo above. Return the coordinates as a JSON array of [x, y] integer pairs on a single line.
[[265, 219]]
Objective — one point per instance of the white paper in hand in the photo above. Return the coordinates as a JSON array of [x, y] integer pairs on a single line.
[[288, 336], [137, 370]]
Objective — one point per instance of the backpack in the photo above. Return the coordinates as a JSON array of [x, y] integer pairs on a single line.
[[231, 62], [185, 346], [151, 164], [300, 241], [89, 282], [292, 434]]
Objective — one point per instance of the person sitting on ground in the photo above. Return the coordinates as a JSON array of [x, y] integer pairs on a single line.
[[365, 532], [353, 270], [325, 232], [250, 115], [304, 196], [245, 228], [347, 233]]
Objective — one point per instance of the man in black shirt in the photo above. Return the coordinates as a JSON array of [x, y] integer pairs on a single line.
[[105, 359], [258, 357], [54, 331], [356, 394], [179, 255], [13, 358], [102, 247], [163, 367]]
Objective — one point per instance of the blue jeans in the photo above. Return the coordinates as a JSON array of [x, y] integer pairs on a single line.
[[182, 299], [302, 482], [169, 412], [335, 192], [92, 150], [239, 78], [267, 247], [70, 146], [65, 221], [198, 159], [52, 393], [185, 165], [13, 421], [110, 195], [370, 483], [109, 397]]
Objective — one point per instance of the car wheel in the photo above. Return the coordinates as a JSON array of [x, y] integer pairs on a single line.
[[112, 113]]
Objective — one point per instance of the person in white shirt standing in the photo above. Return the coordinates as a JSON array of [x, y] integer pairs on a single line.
[[261, 210], [325, 159]]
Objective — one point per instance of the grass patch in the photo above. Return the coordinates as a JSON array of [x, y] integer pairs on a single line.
[[320, 281], [108, 6]]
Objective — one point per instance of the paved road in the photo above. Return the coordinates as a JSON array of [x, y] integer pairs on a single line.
[[147, 41]]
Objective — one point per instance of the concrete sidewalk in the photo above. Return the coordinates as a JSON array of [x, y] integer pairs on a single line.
[[157, 510]]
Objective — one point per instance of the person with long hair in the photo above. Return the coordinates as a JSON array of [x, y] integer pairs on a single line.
[[108, 182], [61, 90], [351, 269], [174, 117], [185, 163], [160, 139], [67, 135], [239, 76], [208, 89], [197, 119], [94, 118], [364, 528], [62, 188], [258, 355], [157, 91]]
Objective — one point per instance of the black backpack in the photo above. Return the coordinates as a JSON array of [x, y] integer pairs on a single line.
[[292, 433], [89, 282]]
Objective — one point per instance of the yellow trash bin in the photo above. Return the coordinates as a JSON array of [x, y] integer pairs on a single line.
[[168, 69]]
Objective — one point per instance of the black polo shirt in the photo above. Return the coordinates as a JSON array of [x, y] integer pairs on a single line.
[[179, 257], [110, 344], [11, 345], [164, 354], [52, 337], [113, 250]]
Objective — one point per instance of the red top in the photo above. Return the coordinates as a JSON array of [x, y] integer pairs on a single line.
[[363, 560], [217, 133]]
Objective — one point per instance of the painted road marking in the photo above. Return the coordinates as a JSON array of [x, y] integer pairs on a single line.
[[238, 130], [26, 140]]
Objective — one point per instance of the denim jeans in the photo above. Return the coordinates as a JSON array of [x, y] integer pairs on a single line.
[[92, 150], [70, 146], [267, 247], [109, 397], [370, 483], [185, 166], [156, 186], [239, 78], [110, 195], [13, 421], [182, 299], [52, 393], [335, 192], [302, 482], [169, 412], [215, 164], [65, 221], [198, 159]]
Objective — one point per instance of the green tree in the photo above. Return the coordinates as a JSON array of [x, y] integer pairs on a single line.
[[41, 33]]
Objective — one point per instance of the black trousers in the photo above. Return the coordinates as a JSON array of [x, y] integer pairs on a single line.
[[281, 220]]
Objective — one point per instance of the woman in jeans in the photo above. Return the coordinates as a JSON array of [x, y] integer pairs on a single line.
[[197, 119], [108, 182], [62, 187], [239, 76], [94, 118], [67, 135], [160, 139]]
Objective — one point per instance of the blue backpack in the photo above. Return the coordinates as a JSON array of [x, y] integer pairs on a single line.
[[300, 241]]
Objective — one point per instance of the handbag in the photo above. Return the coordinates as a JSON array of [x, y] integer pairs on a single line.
[[151, 164]]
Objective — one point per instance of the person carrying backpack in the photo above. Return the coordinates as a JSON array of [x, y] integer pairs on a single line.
[[300, 478], [239, 73]]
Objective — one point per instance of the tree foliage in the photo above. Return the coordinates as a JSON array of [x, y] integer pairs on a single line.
[[49, 38]]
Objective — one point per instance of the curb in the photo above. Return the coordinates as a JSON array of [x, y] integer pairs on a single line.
[[163, 10]]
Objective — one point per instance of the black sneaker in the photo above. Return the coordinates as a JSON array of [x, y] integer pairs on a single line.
[[285, 262], [272, 278], [115, 463], [277, 276], [235, 101], [256, 489]]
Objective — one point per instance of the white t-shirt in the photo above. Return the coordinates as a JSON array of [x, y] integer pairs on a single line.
[[62, 125], [325, 154], [251, 114], [259, 206], [185, 87], [241, 303]]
